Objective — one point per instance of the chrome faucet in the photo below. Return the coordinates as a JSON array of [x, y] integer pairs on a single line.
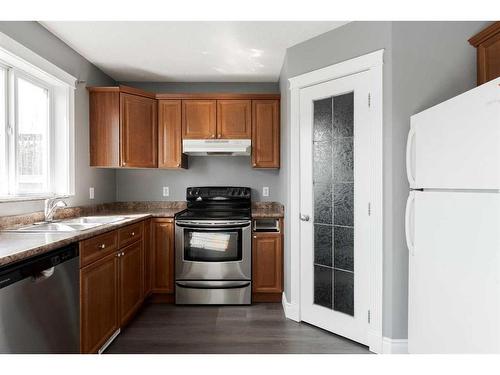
[[51, 206]]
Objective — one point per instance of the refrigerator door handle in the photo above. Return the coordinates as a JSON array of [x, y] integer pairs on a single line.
[[410, 222], [409, 156]]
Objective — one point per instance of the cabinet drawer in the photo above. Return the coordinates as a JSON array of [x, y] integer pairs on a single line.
[[97, 247], [130, 233]]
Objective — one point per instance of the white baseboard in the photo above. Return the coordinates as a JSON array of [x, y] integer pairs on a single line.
[[374, 341], [394, 346], [291, 310]]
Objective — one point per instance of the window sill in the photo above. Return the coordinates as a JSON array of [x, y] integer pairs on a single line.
[[29, 198]]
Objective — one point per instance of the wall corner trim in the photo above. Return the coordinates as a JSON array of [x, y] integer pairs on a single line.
[[291, 310], [394, 346]]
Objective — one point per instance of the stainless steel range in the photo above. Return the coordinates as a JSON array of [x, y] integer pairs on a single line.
[[213, 251]]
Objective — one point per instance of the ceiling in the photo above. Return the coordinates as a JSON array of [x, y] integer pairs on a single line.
[[191, 51]]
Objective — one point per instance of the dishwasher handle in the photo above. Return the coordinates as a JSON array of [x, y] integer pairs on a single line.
[[38, 268]]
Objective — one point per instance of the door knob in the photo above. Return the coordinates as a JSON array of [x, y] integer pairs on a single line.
[[304, 217]]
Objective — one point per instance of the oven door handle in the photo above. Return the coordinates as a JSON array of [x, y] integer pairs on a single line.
[[214, 225], [213, 285]]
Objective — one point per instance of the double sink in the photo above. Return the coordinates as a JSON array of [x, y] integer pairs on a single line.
[[69, 225]]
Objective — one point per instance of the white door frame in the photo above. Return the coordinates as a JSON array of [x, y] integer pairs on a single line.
[[372, 62]]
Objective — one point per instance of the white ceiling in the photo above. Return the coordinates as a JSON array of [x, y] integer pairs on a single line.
[[192, 51]]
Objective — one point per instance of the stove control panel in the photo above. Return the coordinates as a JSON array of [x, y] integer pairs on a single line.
[[218, 193]]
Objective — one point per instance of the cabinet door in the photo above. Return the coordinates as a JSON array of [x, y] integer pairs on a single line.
[[265, 134], [267, 263], [234, 119], [131, 280], [138, 131], [163, 256], [148, 258], [98, 303], [170, 135], [198, 119], [104, 129]]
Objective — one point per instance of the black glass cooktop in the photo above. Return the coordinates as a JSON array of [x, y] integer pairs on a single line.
[[217, 203]]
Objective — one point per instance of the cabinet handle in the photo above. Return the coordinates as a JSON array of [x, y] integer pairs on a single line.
[[118, 255], [123, 253], [101, 246], [254, 164], [178, 165], [254, 236], [132, 234], [213, 135]]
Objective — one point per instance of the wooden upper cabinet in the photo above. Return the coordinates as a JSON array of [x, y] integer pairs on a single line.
[[163, 255], [170, 135], [487, 43], [265, 134], [267, 263], [199, 119], [104, 123], [234, 119], [123, 127], [138, 131]]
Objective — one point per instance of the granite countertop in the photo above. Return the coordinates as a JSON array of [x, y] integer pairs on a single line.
[[16, 246]]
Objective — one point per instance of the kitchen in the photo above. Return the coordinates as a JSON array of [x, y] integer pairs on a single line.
[[185, 207]]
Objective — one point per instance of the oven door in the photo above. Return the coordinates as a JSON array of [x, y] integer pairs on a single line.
[[213, 250]]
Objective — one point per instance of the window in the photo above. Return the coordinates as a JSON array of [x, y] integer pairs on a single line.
[[36, 155]]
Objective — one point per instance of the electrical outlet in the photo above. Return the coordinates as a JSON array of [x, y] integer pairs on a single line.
[[265, 191], [91, 193], [166, 191]]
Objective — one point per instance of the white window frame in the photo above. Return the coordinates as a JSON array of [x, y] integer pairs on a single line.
[[21, 62]]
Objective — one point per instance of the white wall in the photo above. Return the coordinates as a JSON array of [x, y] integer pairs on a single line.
[[35, 37]]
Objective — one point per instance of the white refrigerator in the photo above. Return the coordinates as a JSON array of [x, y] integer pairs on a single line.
[[453, 225]]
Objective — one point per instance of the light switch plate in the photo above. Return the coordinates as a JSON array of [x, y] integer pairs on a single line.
[[265, 191], [166, 191], [91, 193]]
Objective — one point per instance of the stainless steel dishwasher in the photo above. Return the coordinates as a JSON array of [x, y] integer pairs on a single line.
[[39, 304]]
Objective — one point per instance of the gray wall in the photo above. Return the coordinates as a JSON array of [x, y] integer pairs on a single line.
[[143, 184], [424, 64], [351, 40], [432, 62], [35, 37]]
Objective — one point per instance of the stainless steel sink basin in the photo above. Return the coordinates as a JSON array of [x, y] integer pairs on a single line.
[[84, 220], [70, 225], [54, 227]]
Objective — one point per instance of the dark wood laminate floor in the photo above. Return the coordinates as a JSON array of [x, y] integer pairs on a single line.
[[260, 328]]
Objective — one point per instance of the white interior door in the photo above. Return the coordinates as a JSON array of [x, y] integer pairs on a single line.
[[334, 190], [454, 275]]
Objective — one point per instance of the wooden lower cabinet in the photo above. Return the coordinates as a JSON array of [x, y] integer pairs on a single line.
[[267, 267], [148, 258], [112, 286], [99, 302], [131, 281], [163, 256]]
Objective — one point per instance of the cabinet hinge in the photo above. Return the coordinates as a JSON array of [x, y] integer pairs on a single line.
[[369, 209], [369, 100], [369, 316]]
